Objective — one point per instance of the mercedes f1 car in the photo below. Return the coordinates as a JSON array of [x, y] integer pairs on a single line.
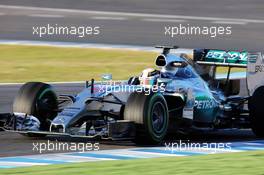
[[182, 95]]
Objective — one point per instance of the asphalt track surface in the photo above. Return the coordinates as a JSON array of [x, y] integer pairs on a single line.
[[13, 144], [138, 22]]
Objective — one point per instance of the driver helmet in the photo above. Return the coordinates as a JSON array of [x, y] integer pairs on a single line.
[[149, 77]]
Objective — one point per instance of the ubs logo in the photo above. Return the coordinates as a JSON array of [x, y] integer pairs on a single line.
[[259, 68]]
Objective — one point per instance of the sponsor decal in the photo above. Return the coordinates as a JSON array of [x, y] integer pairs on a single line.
[[229, 57], [259, 68], [205, 104]]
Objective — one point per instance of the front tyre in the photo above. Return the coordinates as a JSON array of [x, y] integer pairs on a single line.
[[150, 114], [39, 100], [256, 110]]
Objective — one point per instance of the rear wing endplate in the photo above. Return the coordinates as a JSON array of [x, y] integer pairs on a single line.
[[255, 72]]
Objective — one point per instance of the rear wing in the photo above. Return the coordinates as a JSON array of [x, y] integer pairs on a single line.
[[221, 58]]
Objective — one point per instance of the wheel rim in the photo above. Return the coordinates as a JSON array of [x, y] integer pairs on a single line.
[[47, 104], [158, 117]]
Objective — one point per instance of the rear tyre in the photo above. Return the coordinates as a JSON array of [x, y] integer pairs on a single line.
[[150, 114], [37, 99], [256, 109]]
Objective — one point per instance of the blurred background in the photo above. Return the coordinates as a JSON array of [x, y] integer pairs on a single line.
[[138, 22]]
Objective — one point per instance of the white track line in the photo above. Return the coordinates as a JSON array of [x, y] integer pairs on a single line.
[[162, 20], [78, 45], [7, 163], [230, 22], [46, 16], [65, 157], [153, 154], [108, 18], [126, 14], [2, 14], [89, 45], [60, 82]]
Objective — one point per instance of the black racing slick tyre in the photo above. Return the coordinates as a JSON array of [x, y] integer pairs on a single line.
[[256, 110], [37, 99], [150, 115]]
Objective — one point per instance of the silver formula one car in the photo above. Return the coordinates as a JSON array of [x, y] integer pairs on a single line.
[[184, 94]]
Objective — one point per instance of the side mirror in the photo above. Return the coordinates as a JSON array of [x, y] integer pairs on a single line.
[[180, 64], [106, 77]]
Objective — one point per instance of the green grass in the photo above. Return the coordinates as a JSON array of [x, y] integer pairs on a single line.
[[220, 164], [38, 63], [43, 63]]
